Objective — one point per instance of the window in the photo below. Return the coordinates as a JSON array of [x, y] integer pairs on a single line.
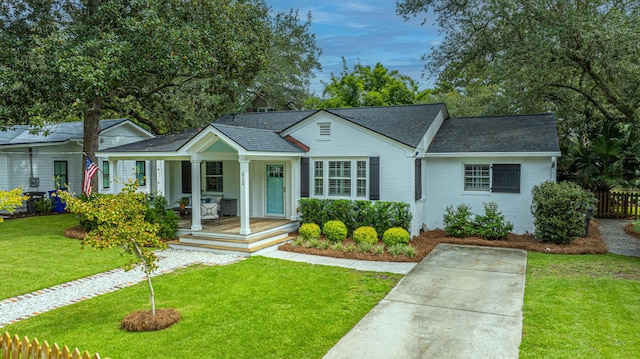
[[141, 173], [505, 178], [60, 174], [361, 179], [213, 176], [105, 174], [324, 130], [476, 177], [318, 178], [339, 178]]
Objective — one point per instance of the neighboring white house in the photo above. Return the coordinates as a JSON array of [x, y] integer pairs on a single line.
[[416, 154], [33, 160]]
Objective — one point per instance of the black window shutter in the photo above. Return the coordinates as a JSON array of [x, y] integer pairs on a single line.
[[374, 178], [418, 178], [186, 177], [505, 178], [304, 177]]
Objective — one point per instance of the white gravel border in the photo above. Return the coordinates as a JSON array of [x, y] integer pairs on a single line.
[[28, 305]]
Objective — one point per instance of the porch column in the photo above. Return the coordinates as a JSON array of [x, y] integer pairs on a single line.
[[113, 169], [294, 188], [196, 224], [244, 197]]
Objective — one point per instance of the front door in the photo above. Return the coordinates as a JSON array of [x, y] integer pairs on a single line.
[[275, 190]]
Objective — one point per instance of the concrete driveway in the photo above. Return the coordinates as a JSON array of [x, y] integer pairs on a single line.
[[459, 302]]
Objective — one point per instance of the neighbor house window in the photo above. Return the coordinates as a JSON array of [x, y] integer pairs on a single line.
[[213, 176], [476, 177], [105, 174], [141, 173], [60, 174], [318, 178]]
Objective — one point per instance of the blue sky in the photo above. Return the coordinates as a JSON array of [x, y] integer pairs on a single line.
[[365, 32]]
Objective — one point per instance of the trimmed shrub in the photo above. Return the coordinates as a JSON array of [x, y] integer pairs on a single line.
[[335, 231], [309, 231], [167, 219], [395, 235], [380, 215], [492, 225], [365, 234], [559, 211], [458, 222]]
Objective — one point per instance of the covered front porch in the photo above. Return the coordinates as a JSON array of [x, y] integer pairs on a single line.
[[223, 235], [248, 174]]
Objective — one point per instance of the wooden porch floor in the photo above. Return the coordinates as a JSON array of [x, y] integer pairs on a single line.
[[231, 225]]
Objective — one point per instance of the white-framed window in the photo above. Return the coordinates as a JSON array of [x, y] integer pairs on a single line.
[[346, 178], [324, 130], [318, 178], [105, 174], [477, 177], [213, 176], [497, 177]]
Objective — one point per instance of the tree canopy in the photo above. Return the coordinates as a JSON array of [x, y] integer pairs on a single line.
[[366, 86], [576, 58]]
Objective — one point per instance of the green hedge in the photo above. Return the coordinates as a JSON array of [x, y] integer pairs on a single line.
[[380, 215]]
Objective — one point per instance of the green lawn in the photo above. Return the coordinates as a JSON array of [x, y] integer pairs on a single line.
[[34, 254], [581, 307], [257, 308]]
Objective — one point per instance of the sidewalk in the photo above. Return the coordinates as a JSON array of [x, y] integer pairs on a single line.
[[458, 302]]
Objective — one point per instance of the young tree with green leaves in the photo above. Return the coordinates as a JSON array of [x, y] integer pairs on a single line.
[[366, 86], [120, 222]]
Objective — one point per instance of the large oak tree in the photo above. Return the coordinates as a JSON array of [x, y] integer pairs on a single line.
[[64, 59]]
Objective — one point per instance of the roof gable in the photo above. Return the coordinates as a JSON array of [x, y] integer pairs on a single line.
[[512, 133], [56, 133]]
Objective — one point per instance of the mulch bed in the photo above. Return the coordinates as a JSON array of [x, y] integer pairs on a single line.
[[145, 321], [629, 228], [425, 242]]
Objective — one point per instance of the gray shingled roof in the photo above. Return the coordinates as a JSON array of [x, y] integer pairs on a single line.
[[405, 124], [165, 143], [61, 132], [255, 139], [512, 133]]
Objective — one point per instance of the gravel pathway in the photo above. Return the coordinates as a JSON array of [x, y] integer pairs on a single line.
[[28, 305], [618, 241]]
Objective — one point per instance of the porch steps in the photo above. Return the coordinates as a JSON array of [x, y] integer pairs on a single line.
[[230, 246]]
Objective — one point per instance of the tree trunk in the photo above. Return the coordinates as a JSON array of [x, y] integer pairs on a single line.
[[90, 137], [152, 296]]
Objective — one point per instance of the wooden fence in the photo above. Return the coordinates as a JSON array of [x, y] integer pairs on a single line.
[[14, 348], [618, 205]]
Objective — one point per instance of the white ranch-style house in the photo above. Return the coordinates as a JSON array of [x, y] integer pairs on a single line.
[[52, 158], [258, 165]]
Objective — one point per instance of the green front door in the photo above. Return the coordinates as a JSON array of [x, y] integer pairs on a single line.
[[275, 189]]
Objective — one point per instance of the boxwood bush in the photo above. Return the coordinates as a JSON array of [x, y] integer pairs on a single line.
[[395, 235], [309, 231], [559, 211], [365, 234], [335, 231], [380, 215]]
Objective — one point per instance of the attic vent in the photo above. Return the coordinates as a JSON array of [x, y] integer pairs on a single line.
[[324, 130]]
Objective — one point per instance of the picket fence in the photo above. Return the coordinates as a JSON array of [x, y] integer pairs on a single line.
[[14, 348], [624, 205]]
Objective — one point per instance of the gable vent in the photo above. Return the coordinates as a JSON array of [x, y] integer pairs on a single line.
[[324, 130]]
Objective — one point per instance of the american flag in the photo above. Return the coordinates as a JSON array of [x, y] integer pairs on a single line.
[[90, 170]]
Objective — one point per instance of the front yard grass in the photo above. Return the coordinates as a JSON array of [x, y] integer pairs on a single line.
[[35, 254], [257, 308], [584, 306]]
